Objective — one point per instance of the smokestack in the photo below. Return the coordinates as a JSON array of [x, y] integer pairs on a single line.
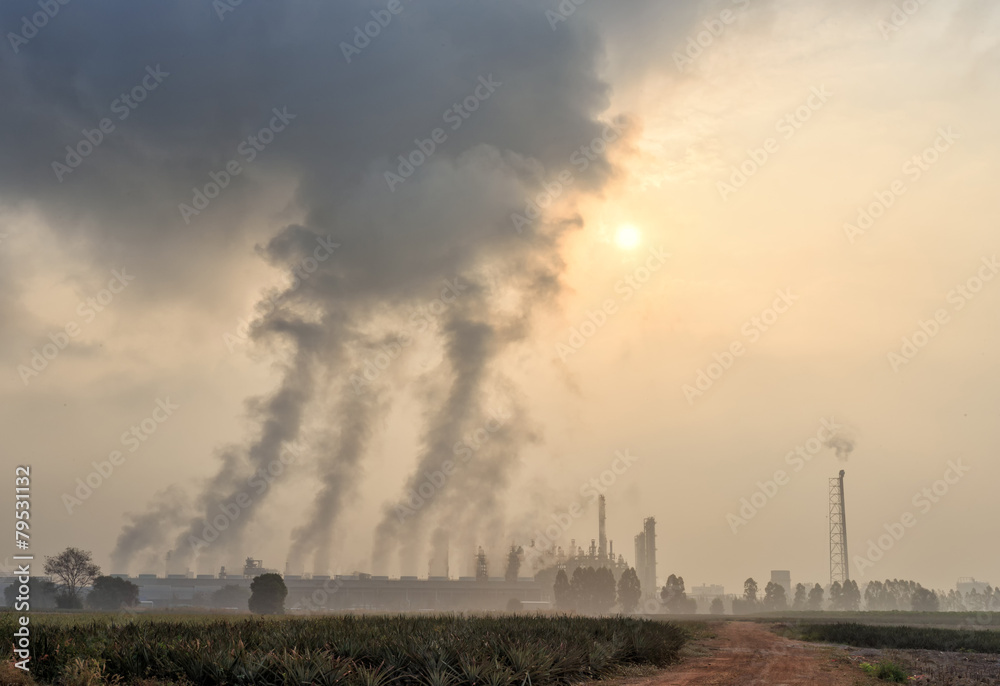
[[843, 524], [839, 561], [482, 567], [649, 537], [602, 547], [640, 562]]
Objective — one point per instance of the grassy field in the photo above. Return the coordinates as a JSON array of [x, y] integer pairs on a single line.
[[205, 650], [901, 637], [964, 620]]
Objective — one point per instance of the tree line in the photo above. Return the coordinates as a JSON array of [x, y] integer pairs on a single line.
[[594, 591], [75, 571]]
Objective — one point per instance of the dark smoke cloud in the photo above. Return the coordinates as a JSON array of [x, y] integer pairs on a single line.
[[842, 444], [351, 123]]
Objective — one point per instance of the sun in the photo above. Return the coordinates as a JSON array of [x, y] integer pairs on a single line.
[[628, 237]]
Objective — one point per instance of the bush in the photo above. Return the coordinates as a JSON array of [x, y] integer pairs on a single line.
[[904, 637], [886, 671], [230, 595], [112, 593], [267, 595]]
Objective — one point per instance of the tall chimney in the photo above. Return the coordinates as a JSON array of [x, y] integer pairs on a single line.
[[839, 566], [640, 562], [602, 547], [649, 536]]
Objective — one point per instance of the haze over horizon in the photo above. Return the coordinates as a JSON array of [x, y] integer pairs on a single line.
[[680, 247]]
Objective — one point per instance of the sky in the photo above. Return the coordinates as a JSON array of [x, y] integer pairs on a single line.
[[361, 286]]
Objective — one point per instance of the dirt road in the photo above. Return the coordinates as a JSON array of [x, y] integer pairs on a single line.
[[749, 654]]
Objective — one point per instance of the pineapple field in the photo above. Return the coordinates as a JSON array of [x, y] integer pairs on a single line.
[[374, 650]]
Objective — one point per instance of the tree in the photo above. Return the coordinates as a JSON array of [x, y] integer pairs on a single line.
[[954, 601], [562, 591], [230, 595], [41, 592], [880, 596], [799, 603], [816, 598], [717, 607], [603, 593], [513, 605], [513, 563], [836, 596], [580, 588], [75, 569], [590, 590], [267, 595], [925, 601], [975, 601], [111, 593], [774, 597], [748, 603], [851, 599], [629, 591], [675, 597]]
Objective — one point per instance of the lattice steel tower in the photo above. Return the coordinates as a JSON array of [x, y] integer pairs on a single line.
[[839, 562]]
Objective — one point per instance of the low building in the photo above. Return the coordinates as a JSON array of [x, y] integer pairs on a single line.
[[345, 593]]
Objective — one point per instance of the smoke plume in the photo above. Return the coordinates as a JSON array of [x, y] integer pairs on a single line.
[[842, 445], [532, 97]]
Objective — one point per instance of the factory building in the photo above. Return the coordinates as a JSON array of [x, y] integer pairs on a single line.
[[346, 593]]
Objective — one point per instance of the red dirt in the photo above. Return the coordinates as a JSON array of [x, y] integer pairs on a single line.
[[749, 654]]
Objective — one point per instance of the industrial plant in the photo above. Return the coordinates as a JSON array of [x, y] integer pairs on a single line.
[[515, 580], [489, 586]]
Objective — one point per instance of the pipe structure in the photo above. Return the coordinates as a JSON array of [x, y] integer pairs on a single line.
[[843, 510], [602, 547]]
